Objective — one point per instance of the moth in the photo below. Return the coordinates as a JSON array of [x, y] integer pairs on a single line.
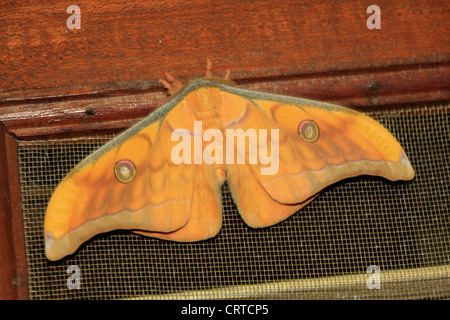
[[162, 177]]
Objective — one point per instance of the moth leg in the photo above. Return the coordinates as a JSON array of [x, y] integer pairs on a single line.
[[171, 83], [227, 75], [208, 71]]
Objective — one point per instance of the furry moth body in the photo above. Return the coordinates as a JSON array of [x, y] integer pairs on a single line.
[[133, 183]]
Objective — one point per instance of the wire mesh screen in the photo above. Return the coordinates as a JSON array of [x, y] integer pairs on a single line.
[[361, 238]]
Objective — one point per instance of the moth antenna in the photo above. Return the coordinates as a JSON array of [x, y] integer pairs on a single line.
[[165, 84], [171, 83], [169, 77]]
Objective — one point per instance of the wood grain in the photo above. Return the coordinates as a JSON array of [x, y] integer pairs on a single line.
[[127, 45]]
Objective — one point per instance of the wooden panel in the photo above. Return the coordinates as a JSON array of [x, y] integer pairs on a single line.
[[13, 268], [59, 117], [127, 45], [7, 270]]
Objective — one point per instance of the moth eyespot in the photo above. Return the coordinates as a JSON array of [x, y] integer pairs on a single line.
[[125, 171], [308, 131]]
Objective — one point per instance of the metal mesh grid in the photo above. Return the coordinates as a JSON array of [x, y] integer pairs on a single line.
[[321, 252]]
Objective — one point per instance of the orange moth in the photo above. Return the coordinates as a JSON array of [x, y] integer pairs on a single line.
[[162, 177]]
